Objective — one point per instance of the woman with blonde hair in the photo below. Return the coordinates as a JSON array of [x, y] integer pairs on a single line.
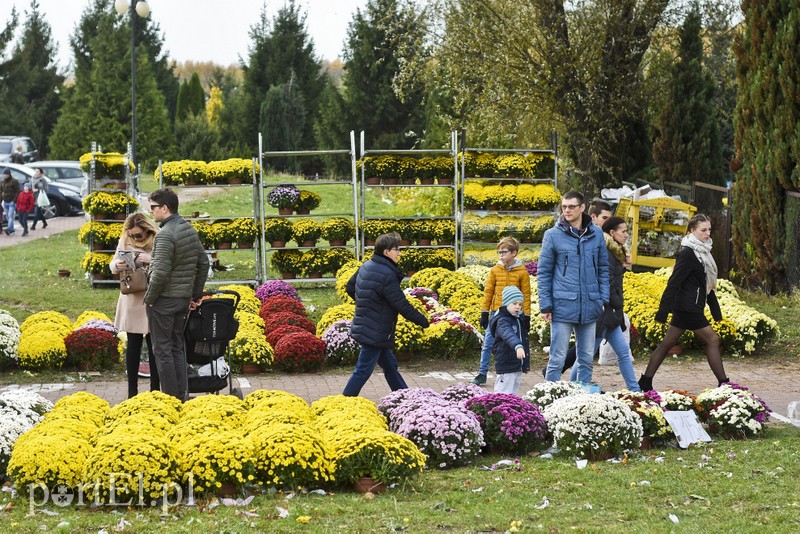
[[135, 243]]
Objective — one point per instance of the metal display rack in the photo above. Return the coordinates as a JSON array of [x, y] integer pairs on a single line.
[[463, 211], [263, 246], [256, 216], [364, 187]]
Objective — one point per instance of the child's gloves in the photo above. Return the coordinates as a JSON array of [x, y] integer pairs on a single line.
[[484, 319]]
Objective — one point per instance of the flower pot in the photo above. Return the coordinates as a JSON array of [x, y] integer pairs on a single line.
[[446, 242], [277, 244], [99, 276], [373, 180], [120, 216], [192, 181], [227, 489], [250, 369], [411, 272], [426, 181], [103, 216], [445, 181], [236, 181], [405, 242], [288, 276], [116, 276], [315, 275], [599, 456], [64, 273], [224, 245], [83, 365], [369, 485], [98, 246], [493, 207], [309, 243], [676, 350], [423, 242], [303, 212], [369, 242], [390, 181], [284, 211], [121, 185], [646, 443], [403, 356], [337, 242], [244, 244]]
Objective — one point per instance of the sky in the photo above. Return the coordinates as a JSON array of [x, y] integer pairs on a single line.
[[206, 30]]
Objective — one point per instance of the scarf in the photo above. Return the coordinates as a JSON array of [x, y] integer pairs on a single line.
[[703, 253], [615, 248]]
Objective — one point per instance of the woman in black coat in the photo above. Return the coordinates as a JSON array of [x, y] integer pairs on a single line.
[[689, 288], [376, 289]]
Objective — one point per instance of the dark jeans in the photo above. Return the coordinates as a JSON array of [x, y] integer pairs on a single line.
[[166, 319], [38, 216], [23, 221], [367, 358], [133, 358]]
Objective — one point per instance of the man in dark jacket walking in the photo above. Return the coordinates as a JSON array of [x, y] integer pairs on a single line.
[[178, 272], [376, 289]]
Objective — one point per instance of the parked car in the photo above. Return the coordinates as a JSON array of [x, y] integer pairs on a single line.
[[9, 144], [66, 172], [64, 198]]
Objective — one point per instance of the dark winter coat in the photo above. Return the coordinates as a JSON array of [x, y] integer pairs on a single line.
[[376, 289], [613, 313], [686, 289], [179, 265], [573, 273], [508, 335], [10, 189]]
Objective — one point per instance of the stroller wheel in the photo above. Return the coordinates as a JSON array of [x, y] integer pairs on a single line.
[[236, 392]]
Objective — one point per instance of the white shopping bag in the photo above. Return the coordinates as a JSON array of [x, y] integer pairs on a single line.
[[607, 354]]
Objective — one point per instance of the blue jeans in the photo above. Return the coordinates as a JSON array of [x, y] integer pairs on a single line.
[[486, 350], [559, 343], [9, 208], [367, 358], [617, 341]]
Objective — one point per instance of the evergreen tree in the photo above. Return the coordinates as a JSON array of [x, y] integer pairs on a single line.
[[197, 139], [98, 107], [214, 106], [688, 148], [281, 115], [371, 64], [182, 109], [279, 50], [767, 155], [29, 95], [331, 129], [197, 97]]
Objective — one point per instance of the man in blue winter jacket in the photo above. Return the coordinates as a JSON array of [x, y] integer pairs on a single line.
[[573, 285], [376, 289]]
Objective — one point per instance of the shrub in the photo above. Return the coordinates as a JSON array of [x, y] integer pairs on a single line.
[[286, 318], [300, 353], [510, 424]]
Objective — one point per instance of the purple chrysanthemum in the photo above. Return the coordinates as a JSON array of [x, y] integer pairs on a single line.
[[276, 287], [509, 423]]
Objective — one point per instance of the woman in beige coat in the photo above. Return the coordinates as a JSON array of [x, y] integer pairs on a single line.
[[138, 234]]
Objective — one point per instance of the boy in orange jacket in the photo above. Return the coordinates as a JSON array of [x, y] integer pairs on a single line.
[[509, 271]]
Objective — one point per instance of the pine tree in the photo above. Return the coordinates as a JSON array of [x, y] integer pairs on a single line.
[[371, 64], [331, 129], [688, 148], [767, 155], [197, 97], [31, 82], [182, 108], [281, 115], [279, 50]]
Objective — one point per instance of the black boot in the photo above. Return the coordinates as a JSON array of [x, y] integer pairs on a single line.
[[646, 383], [44, 224], [723, 381]]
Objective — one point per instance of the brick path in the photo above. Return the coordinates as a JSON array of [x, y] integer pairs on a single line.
[[776, 383]]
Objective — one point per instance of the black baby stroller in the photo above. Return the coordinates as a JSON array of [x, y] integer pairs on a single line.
[[209, 330]]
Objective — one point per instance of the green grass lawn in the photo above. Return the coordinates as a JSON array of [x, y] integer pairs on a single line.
[[724, 486]]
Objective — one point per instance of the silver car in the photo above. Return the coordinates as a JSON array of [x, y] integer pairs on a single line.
[[65, 172]]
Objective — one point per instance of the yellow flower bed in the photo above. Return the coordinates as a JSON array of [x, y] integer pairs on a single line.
[[49, 320], [41, 349], [291, 455], [208, 460], [333, 314], [250, 346], [214, 407], [151, 402], [89, 315]]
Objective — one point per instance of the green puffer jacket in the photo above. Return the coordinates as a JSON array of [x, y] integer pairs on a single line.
[[179, 265]]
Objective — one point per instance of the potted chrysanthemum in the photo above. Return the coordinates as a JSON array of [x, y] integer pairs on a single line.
[[509, 423], [284, 197], [277, 231], [732, 411], [338, 230]]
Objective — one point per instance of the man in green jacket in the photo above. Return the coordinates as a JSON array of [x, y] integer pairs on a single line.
[[178, 272]]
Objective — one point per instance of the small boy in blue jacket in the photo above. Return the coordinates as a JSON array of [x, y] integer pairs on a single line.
[[511, 350]]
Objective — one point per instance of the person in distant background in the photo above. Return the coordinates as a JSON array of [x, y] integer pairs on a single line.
[[9, 191], [39, 183], [24, 205], [17, 156]]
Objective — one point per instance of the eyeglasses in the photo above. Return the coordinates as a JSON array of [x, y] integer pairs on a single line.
[[567, 207], [503, 252], [154, 206], [396, 249], [136, 236]]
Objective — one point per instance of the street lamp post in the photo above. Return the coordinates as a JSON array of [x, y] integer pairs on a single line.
[[143, 10]]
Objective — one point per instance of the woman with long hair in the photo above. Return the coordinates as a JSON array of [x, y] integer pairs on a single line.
[[689, 288], [138, 234]]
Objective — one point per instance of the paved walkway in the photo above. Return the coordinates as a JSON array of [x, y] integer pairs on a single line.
[[776, 383], [56, 225]]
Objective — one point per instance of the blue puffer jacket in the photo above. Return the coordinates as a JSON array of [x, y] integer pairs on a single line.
[[376, 289], [573, 273], [508, 334]]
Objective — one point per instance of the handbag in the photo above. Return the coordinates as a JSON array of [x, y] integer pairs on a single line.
[[42, 200], [133, 281]]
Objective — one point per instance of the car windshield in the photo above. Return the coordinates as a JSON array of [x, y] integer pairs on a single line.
[[5, 147]]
